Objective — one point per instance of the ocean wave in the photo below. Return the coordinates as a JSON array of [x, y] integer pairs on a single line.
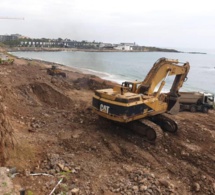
[[207, 68], [104, 75], [95, 72]]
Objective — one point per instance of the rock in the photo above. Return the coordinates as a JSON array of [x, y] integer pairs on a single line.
[[213, 186], [172, 186], [150, 191], [27, 172], [116, 185], [78, 168], [146, 175], [184, 153], [196, 187], [142, 181], [75, 191], [131, 176], [143, 188], [164, 182], [111, 189], [57, 170], [52, 171], [117, 190], [152, 175], [135, 188], [73, 171], [204, 177], [13, 170], [61, 166], [139, 172], [66, 169]]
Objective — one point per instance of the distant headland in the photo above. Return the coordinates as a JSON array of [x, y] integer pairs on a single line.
[[18, 42]]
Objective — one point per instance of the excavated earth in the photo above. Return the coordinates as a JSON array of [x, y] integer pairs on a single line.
[[59, 140]]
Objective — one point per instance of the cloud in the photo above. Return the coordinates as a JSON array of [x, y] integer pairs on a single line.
[[154, 22]]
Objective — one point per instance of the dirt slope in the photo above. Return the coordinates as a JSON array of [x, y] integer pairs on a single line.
[[57, 134]]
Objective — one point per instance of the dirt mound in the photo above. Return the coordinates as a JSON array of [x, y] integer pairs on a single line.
[[44, 94], [92, 83]]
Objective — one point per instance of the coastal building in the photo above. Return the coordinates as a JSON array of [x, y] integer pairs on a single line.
[[22, 41], [12, 37], [106, 45], [74, 44], [81, 44], [125, 46]]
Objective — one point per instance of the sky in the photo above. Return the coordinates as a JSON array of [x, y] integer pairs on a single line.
[[159, 23]]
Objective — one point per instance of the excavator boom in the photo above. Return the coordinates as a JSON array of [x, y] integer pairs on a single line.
[[161, 69]]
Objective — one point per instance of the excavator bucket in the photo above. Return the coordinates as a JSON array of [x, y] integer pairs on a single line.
[[174, 106]]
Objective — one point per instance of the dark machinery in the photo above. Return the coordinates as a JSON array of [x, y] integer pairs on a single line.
[[54, 71]]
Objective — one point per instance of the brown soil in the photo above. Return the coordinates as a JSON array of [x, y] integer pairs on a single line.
[[56, 132]]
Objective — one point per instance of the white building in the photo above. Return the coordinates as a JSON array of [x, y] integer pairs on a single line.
[[125, 46]]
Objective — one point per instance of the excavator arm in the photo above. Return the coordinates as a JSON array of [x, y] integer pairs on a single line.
[[157, 75], [161, 69]]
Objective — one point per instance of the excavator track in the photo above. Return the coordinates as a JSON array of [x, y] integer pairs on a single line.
[[165, 122], [147, 129]]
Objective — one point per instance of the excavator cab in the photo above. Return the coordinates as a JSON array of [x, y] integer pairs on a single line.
[[130, 86]]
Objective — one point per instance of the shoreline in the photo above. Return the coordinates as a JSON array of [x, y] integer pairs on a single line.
[[69, 69], [35, 49], [84, 71], [38, 49]]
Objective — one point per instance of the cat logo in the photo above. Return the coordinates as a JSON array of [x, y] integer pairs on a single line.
[[104, 108]]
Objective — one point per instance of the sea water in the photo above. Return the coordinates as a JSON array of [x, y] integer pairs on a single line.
[[129, 66]]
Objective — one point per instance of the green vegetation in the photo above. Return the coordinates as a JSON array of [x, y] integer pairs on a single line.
[[2, 45], [153, 49], [29, 192], [13, 43], [4, 184]]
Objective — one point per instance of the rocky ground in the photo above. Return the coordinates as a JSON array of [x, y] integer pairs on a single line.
[[57, 139]]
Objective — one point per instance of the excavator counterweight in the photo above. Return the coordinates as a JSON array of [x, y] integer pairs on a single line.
[[134, 101]]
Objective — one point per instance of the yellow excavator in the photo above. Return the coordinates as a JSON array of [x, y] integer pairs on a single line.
[[142, 106]]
